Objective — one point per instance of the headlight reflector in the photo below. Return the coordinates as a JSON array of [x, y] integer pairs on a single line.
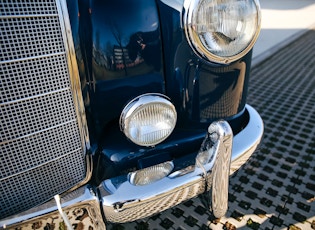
[[148, 119], [222, 31]]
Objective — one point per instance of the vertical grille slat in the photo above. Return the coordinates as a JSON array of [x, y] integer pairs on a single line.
[[42, 147]]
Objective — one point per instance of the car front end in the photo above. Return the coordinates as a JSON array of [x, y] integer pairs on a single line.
[[114, 111]]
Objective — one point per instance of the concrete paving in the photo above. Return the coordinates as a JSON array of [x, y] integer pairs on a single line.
[[283, 21]]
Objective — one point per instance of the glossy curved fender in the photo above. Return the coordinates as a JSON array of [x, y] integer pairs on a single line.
[[119, 54]]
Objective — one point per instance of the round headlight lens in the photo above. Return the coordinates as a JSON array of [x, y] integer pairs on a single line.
[[222, 31], [148, 119]]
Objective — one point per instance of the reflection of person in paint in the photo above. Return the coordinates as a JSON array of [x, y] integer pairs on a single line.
[[140, 42], [147, 45]]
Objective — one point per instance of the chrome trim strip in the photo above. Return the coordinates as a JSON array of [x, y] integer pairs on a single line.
[[124, 202], [28, 16], [32, 58], [82, 200], [74, 81], [33, 97]]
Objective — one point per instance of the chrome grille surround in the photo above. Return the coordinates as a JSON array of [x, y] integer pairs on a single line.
[[43, 133]]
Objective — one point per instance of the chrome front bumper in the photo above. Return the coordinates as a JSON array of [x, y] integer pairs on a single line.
[[122, 201]]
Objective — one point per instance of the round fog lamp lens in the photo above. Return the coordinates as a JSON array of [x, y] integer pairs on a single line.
[[151, 174], [148, 120]]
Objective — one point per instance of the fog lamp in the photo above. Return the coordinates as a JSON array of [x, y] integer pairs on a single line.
[[148, 119], [221, 31], [151, 174]]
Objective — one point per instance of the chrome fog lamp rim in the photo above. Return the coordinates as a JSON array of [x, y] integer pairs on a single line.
[[210, 36], [148, 119], [151, 174]]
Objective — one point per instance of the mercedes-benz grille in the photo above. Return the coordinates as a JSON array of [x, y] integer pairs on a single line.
[[42, 136]]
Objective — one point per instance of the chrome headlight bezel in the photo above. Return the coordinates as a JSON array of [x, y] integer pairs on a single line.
[[159, 116], [197, 42]]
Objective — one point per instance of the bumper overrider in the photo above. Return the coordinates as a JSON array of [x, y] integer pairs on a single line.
[[117, 200]]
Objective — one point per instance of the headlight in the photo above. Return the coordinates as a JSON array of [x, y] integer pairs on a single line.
[[221, 31], [148, 119]]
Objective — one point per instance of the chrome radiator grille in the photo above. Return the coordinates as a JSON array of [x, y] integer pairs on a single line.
[[42, 137]]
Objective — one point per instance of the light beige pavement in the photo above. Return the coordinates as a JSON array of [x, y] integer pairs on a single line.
[[282, 22]]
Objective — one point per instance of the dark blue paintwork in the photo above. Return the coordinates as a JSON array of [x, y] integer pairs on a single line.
[[126, 48], [202, 91], [121, 56]]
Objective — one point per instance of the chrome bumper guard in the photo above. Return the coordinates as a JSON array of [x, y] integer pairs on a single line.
[[122, 201]]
